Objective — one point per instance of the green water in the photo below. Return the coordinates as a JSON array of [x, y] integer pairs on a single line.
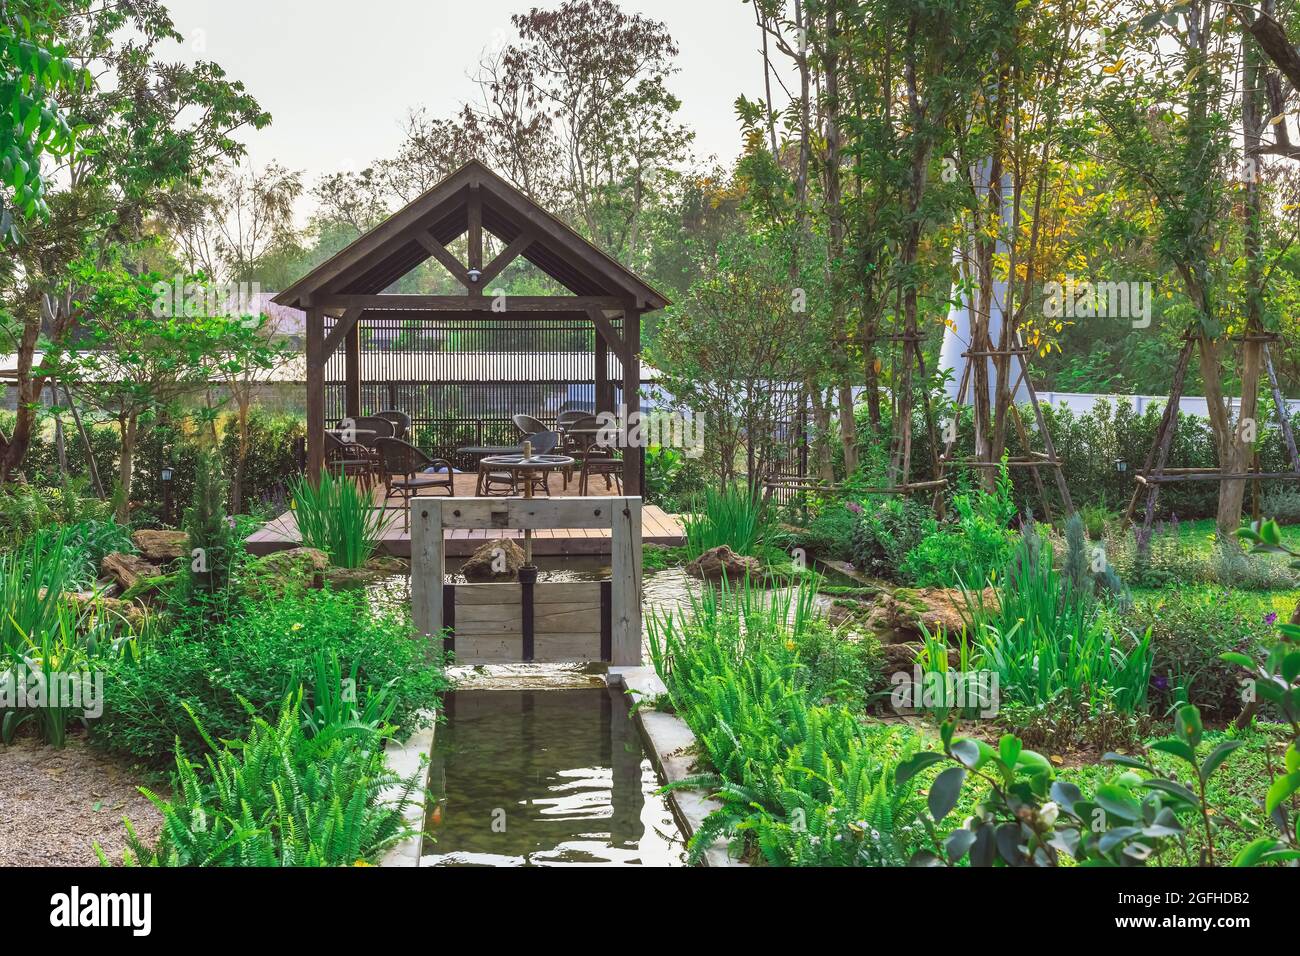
[[544, 778]]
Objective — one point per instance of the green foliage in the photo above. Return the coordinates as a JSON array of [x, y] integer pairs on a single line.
[[254, 657], [35, 72], [212, 542], [733, 517], [802, 781], [1191, 630], [25, 509], [1047, 638], [291, 794], [338, 517], [885, 533], [969, 549], [60, 667]]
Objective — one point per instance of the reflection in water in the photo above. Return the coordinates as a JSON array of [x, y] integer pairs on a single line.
[[544, 778]]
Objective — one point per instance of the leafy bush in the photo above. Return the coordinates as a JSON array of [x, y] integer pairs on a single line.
[[1190, 631], [1046, 637], [228, 671], [830, 529], [969, 549], [339, 517], [883, 536], [731, 517], [802, 782], [291, 794]]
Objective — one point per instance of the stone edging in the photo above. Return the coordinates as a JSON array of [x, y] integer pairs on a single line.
[[669, 743], [405, 758]]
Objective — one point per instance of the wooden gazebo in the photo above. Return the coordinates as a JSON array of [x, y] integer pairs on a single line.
[[343, 293]]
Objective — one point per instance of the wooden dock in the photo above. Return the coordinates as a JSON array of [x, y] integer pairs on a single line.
[[657, 527]]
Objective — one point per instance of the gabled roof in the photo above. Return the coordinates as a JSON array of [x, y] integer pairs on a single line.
[[376, 260]]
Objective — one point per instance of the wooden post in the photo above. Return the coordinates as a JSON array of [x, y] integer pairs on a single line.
[[633, 458], [315, 393], [427, 566], [602, 399], [352, 372], [625, 571]]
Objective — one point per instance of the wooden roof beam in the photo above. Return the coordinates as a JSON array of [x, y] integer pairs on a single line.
[[471, 303], [446, 259]]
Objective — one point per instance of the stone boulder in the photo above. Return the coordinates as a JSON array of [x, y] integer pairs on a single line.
[[130, 611], [721, 561], [498, 560], [127, 570], [284, 573], [901, 615], [160, 547], [376, 569]]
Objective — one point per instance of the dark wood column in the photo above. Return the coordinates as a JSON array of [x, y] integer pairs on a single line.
[[352, 372], [633, 458], [602, 396], [315, 393]]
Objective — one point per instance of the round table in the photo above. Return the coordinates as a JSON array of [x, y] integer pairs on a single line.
[[526, 468]]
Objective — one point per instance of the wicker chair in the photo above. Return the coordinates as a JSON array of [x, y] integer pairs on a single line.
[[350, 459], [600, 463], [401, 422], [489, 481], [407, 471], [527, 425]]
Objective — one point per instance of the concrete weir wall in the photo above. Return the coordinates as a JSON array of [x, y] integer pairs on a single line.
[[670, 746], [405, 758]]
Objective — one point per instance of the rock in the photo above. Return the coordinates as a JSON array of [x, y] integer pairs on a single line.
[[376, 569], [132, 612], [498, 560], [127, 570], [899, 616], [160, 547], [283, 573], [717, 562]]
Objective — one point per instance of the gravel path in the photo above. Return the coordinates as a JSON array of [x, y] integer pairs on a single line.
[[54, 803]]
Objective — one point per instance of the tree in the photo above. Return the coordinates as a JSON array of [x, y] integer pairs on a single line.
[[131, 363], [35, 74], [732, 351], [150, 131]]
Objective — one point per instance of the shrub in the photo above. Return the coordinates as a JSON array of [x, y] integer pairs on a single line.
[[802, 781], [1190, 630], [229, 671], [292, 794], [1046, 638], [969, 549], [829, 532], [883, 536]]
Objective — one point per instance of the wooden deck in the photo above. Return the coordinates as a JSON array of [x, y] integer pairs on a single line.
[[657, 527]]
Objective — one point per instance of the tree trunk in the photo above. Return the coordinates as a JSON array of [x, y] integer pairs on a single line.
[[126, 467]]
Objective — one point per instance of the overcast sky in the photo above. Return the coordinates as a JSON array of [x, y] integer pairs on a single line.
[[338, 76]]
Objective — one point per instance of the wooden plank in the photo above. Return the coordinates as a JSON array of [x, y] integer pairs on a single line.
[[427, 567], [465, 303], [445, 258], [547, 648], [474, 217], [352, 372], [631, 357], [507, 255], [625, 571], [342, 328], [528, 513], [605, 330]]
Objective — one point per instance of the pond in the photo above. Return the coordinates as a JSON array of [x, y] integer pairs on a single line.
[[545, 778]]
